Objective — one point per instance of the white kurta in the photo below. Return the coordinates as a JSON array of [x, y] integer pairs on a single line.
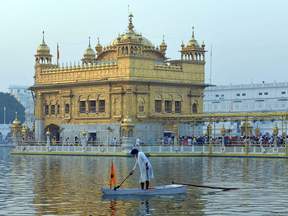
[[146, 175]]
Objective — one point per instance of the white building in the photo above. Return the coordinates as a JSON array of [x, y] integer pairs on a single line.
[[25, 98], [247, 98]]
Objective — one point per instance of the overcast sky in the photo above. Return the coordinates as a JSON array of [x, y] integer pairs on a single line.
[[248, 37]]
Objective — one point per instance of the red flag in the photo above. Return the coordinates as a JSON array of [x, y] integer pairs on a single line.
[[112, 176], [57, 53]]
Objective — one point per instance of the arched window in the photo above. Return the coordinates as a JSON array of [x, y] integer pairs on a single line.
[[194, 108], [46, 110], [53, 109], [130, 133], [124, 133], [58, 109], [67, 109], [18, 133]]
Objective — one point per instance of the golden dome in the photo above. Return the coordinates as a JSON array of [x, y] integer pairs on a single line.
[[163, 46], [131, 35], [98, 47], [16, 121], [182, 45], [138, 37], [43, 47], [89, 53], [127, 120], [192, 41]]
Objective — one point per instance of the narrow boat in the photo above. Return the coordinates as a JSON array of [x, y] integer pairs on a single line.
[[165, 189]]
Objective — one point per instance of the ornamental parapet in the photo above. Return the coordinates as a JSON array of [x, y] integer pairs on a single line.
[[97, 65], [80, 73]]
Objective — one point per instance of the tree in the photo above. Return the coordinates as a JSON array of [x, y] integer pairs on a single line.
[[12, 106]]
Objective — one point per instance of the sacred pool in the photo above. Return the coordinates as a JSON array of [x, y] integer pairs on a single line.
[[70, 185]]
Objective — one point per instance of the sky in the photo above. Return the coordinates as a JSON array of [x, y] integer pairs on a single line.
[[248, 37]]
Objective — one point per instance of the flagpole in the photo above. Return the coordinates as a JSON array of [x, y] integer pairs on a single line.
[[57, 53]]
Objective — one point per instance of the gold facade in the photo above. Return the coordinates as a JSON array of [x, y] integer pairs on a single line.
[[130, 77]]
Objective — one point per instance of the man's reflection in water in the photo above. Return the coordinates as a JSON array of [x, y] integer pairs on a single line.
[[145, 207], [113, 208]]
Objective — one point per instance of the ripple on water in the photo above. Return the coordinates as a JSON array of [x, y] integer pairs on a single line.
[[61, 185]]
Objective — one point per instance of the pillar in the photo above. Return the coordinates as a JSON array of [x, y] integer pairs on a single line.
[[275, 132], [48, 140], [84, 141], [223, 131]]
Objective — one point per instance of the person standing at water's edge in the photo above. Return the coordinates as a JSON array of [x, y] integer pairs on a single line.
[[138, 141], [145, 168]]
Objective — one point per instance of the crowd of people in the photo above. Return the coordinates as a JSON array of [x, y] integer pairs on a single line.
[[262, 140], [5, 141], [229, 141]]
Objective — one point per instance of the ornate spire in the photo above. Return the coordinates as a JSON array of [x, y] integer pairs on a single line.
[[203, 44], [16, 121], [182, 45], [163, 46], [89, 43], [130, 26], [43, 37], [98, 47], [193, 32]]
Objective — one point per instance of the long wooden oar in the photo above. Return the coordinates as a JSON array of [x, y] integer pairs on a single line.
[[193, 185], [121, 183]]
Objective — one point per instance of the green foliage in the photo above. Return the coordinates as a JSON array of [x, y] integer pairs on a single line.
[[12, 106]]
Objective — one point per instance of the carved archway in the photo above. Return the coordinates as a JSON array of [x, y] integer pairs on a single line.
[[53, 130]]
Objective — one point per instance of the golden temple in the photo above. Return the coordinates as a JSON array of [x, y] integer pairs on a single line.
[[130, 77]]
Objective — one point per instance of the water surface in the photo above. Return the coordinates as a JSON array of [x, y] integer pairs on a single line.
[[69, 185]]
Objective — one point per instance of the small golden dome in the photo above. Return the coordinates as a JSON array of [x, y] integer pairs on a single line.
[[182, 45], [98, 47], [89, 53], [163, 46], [127, 120], [43, 47], [16, 121], [192, 41], [203, 44]]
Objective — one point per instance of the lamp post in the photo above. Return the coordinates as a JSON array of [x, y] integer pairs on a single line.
[[84, 140], [275, 132], [209, 131], [4, 114], [223, 131]]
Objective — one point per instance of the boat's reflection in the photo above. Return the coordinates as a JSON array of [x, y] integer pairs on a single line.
[[136, 197], [145, 201]]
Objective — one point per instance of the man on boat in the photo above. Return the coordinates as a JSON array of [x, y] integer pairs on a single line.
[[145, 168]]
